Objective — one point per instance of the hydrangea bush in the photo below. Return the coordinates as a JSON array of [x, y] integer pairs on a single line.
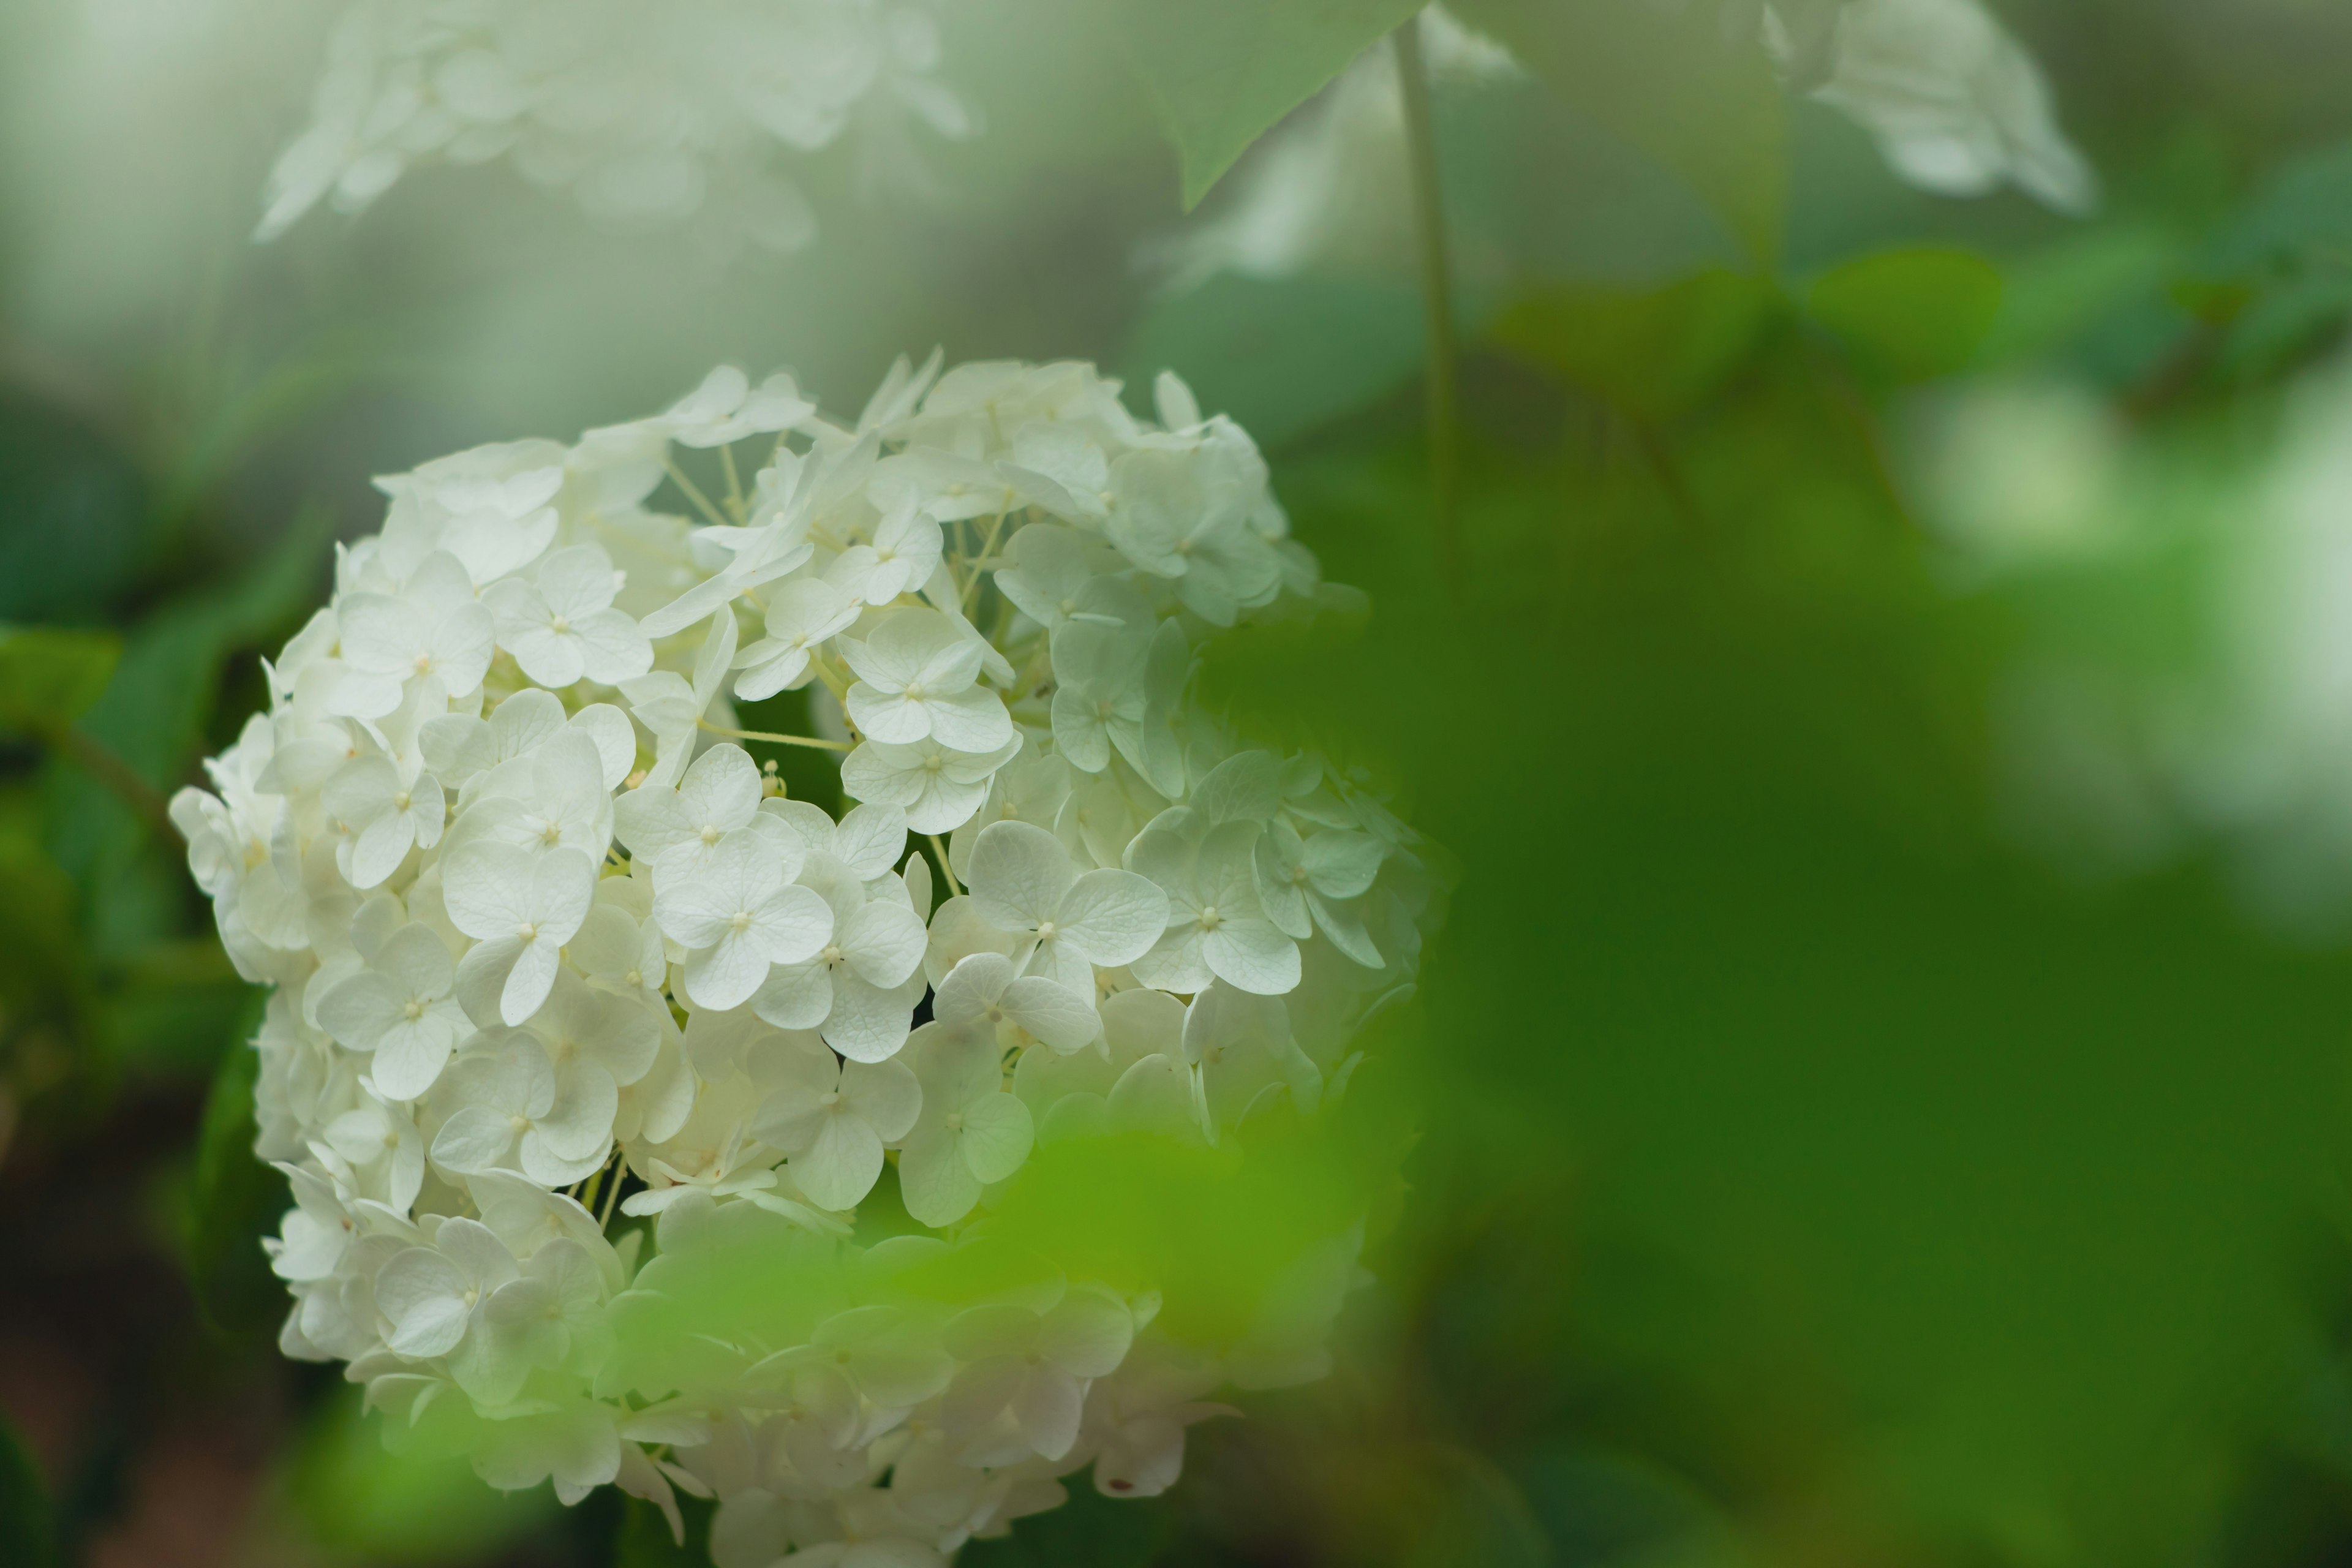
[[648, 111], [649, 1125]]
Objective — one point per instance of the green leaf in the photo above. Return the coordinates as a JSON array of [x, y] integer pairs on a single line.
[[1914, 313], [2301, 215], [1667, 80], [50, 678], [1282, 355], [233, 1199], [27, 1527], [354, 1491], [74, 529], [1090, 1528], [645, 1540], [154, 716], [1221, 72], [1651, 353], [155, 711]]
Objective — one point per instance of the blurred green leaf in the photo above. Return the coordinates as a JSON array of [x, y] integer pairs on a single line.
[[27, 1527], [154, 717], [155, 711], [233, 1199], [50, 677], [1667, 80], [1283, 356], [1652, 352], [74, 521], [2301, 215], [1090, 1529], [397, 1506], [1913, 313], [645, 1540], [1223, 72]]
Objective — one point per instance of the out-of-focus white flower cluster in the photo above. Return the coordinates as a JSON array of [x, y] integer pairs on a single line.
[[543, 934], [1957, 104], [649, 111]]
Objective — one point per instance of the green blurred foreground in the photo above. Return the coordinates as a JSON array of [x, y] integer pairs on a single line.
[[1821, 1149]]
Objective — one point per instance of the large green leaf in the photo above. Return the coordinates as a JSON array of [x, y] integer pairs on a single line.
[[1651, 353], [1913, 313], [50, 678], [28, 1529], [74, 515], [154, 717], [366, 1491], [1283, 356], [1221, 72], [1669, 81]]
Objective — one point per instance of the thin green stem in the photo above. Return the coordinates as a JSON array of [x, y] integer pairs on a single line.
[[693, 492], [611, 1199], [955, 889], [1443, 410], [100, 761], [780, 739], [734, 484]]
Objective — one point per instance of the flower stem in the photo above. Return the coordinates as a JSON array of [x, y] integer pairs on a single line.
[[1443, 409], [95, 758], [955, 889], [771, 736]]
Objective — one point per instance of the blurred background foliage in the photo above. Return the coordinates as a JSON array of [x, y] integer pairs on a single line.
[[1881, 1095]]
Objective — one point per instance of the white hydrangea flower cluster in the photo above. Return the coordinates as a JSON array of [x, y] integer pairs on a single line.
[[648, 111], [547, 944]]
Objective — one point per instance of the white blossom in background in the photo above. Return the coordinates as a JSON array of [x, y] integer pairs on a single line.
[[1956, 103], [579, 1015], [648, 112]]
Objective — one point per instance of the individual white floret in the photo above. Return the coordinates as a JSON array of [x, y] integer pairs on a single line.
[[561, 628], [1216, 927], [1023, 882], [679, 830], [400, 1011], [736, 916], [987, 993], [1305, 884], [969, 1132], [521, 908], [800, 614], [831, 1119], [432, 628], [917, 678], [511, 1104], [937, 786], [1034, 1367], [854, 987]]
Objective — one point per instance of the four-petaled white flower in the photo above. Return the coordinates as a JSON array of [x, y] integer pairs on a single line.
[[521, 908], [916, 678], [389, 809], [853, 987], [1216, 927], [1023, 882], [831, 1119], [736, 916], [969, 1132], [400, 1011], [563, 626], [512, 1104]]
